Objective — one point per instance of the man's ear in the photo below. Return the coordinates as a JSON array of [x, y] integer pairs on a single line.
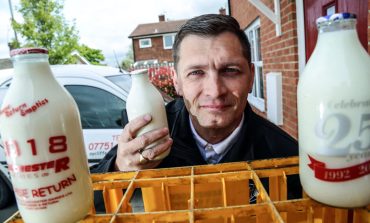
[[177, 83], [251, 79]]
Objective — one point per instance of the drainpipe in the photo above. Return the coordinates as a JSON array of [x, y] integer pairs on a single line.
[[228, 7], [12, 16]]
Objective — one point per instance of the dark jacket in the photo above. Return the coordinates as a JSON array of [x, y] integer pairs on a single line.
[[260, 140]]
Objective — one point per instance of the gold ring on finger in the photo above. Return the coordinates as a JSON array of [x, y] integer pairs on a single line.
[[142, 159]]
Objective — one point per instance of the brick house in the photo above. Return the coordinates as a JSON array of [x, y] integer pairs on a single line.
[[152, 42], [283, 35]]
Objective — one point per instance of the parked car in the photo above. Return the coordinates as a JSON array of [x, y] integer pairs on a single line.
[[99, 100], [100, 93], [6, 190]]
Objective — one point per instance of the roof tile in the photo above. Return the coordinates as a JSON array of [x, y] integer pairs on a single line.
[[157, 28]]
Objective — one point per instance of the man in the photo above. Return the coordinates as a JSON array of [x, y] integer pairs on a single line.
[[213, 123]]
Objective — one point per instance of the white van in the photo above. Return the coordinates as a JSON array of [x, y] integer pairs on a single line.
[[100, 93], [99, 100]]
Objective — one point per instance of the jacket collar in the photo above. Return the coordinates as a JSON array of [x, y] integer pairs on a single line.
[[184, 144]]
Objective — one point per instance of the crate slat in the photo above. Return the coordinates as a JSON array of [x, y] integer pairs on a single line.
[[218, 193]]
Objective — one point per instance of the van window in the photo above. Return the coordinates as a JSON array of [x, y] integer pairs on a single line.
[[99, 109]]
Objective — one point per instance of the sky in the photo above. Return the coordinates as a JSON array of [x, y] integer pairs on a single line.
[[106, 25]]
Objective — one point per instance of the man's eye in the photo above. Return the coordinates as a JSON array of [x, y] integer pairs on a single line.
[[231, 71], [196, 72]]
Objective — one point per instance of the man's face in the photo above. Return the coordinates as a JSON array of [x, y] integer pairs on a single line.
[[214, 79]]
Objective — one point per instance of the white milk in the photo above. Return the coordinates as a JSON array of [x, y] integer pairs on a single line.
[[334, 119], [144, 98], [42, 137]]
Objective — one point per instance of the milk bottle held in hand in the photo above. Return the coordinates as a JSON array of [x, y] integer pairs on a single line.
[[144, 98], [42, 137], [334, 116]]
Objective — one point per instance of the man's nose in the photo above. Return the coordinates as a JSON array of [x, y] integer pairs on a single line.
[[214, 85]]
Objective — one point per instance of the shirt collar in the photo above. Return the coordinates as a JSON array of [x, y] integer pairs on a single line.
[[220, 147]]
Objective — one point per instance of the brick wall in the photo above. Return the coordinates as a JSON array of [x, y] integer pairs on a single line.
[[279, 54], [154, 52]]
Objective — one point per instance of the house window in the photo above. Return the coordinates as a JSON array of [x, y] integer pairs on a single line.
[[168, 41], [145, 43], [256, 98], [330, 10]]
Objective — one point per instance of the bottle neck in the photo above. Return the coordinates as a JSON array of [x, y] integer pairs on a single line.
[[141, 78], [332, 26], [31, 65], [338, 35], [30, 58]]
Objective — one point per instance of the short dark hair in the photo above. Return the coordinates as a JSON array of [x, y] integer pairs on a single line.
[[211, 25]]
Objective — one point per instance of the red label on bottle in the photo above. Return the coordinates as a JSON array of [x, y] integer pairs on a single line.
[[42, 197], [340, 174], [58, 165], [23, 109]]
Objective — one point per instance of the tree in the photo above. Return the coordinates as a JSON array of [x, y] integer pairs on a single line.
[[45, 26], [94, 56], [128, 60]]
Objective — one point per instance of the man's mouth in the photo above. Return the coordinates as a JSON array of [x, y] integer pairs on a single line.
[[215, 107]]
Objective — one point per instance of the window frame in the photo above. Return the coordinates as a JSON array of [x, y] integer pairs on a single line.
[[164, 42], [71, 87], [141, 45], [256, 98]]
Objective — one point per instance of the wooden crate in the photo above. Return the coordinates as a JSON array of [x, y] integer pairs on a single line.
[[211, 193]]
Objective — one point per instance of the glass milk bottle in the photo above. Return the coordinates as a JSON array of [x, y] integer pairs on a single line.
[[43, 142], [144, 98], [334, 116]]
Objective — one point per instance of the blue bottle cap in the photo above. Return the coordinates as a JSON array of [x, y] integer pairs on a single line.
[[335, 18]]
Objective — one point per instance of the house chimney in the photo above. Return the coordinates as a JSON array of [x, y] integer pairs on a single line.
[[222, 11], [161, 18]]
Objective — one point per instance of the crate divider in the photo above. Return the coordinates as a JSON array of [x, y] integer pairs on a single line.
[[218, 193]]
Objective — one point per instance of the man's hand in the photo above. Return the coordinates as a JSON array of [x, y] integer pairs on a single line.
[[131, 154]]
